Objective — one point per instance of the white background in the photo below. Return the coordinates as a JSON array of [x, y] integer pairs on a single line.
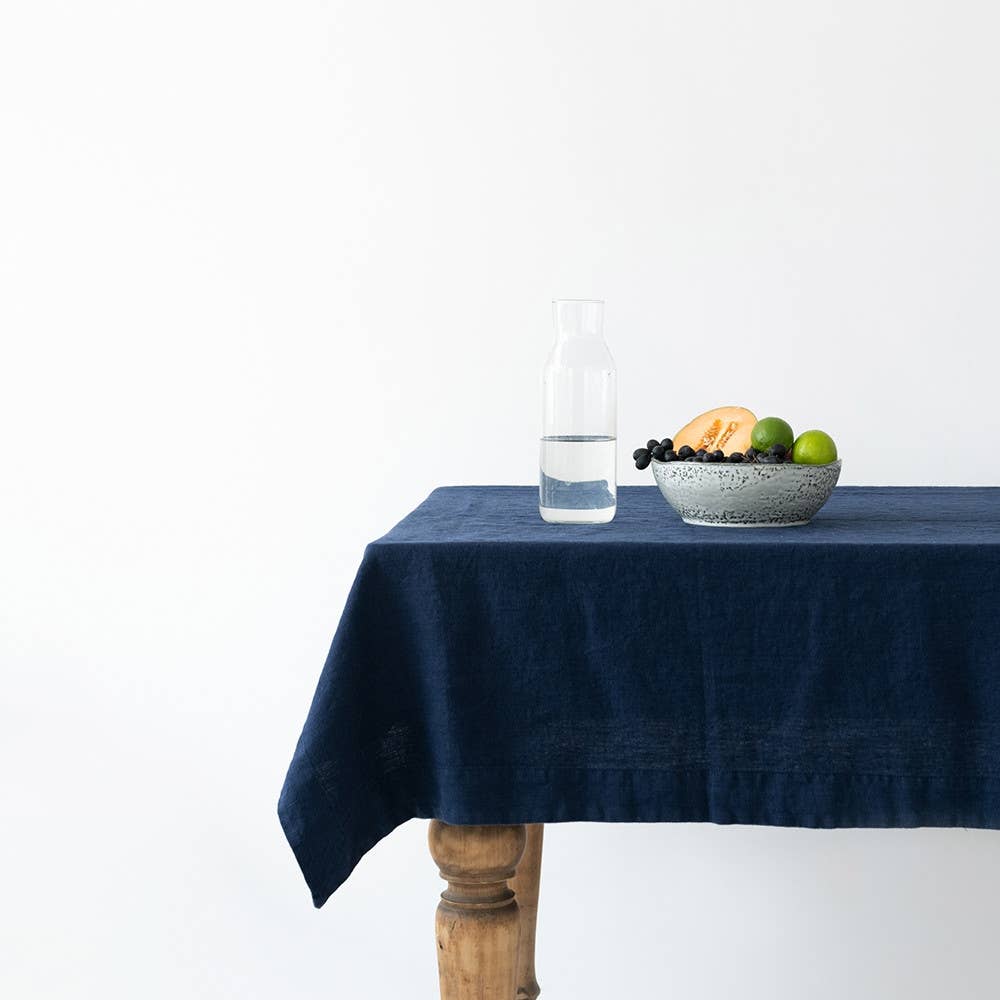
[[270, 272]]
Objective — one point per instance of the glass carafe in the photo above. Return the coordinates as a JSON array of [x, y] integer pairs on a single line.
[[579, 419]]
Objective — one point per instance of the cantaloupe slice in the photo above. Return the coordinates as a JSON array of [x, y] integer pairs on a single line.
[[727, 427]]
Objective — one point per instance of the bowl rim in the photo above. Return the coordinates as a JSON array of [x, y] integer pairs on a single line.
[[751, 465]]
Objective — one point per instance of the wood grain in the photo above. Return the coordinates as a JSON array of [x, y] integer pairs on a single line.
[[478, 924], [525, 886]]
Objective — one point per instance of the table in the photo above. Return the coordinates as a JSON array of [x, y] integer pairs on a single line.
[[493, 673]]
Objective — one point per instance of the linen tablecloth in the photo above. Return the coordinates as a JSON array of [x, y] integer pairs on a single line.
[[491, 668]]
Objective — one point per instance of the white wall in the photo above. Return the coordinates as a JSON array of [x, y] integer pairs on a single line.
[[271, 272]]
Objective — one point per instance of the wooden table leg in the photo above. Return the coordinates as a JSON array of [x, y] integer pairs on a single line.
[[478, 924], [525, 886]]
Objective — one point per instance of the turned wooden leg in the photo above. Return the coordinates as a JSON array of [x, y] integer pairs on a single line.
[[478, 924], [525, 887]]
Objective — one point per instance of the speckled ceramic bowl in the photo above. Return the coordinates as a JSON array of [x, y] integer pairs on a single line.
[[745, 495]]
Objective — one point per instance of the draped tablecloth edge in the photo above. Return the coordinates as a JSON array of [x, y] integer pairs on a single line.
[[791, 800]]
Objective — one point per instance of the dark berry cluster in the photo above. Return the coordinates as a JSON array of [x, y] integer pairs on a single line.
[[777, 454], [654, 449], [663, 451]]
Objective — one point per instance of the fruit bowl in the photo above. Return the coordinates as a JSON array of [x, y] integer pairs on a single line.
[[746, 495]]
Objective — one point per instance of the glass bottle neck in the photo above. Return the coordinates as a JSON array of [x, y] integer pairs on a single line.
[[578, 318]]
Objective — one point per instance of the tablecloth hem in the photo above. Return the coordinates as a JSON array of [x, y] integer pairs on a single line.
[[809, 801]]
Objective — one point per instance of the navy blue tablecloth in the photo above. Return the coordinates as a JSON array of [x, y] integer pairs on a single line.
[[491, 668]]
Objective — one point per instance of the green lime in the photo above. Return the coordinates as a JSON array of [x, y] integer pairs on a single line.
[[771, 431], [814, 448]]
